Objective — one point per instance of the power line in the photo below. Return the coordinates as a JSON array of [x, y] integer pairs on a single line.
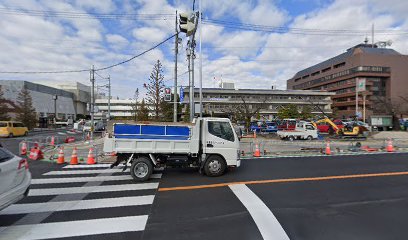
[[64, 14], [305, 31], [86, 70], [130, 59]]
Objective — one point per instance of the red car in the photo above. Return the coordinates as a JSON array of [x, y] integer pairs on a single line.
[[287, 124], [325, 127]]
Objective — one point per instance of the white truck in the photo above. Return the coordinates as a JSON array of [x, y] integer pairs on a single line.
[[210, 144], [303, 130]]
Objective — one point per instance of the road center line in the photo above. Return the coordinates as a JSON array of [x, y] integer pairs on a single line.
[[287, 180], [264, 219]]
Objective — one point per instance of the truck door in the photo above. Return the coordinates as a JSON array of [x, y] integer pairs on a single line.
[[220, 138]]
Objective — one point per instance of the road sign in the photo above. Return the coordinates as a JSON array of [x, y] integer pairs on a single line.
[[181, 94], [361, 84]]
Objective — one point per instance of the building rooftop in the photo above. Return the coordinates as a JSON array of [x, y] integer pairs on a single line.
[[365, 48], [261, 91]]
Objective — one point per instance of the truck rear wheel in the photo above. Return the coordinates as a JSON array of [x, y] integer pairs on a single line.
[[141, 169], [214, 166], [291, 138]]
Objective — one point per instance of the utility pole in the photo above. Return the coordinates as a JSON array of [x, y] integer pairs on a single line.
[[175, 74], [192, 110], [92, 76], [201, 61], [191, 81], [109, 97]]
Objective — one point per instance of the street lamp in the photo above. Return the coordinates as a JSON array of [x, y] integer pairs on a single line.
[[136, 96], [55, 97]]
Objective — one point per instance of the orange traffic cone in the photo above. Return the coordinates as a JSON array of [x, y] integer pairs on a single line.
[[61, 159], [257, 153], [91, 157], [255, 134], [328, 151], [74, 157], [88, 136], [23, 150], [389, 147], [52, 143]]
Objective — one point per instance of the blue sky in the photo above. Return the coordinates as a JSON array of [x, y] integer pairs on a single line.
[[47, 35]]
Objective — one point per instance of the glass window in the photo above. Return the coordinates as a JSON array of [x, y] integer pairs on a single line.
[[3, 124], [221, 129], [309, 127], [18, 125], [5, 155]]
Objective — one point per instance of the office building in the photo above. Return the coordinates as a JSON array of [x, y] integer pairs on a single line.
[[384, 71]]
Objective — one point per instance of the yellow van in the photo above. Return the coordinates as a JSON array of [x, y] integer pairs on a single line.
[[12, 129]]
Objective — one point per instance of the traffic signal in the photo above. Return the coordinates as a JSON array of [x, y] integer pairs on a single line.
[[167, 94], [188, 23]]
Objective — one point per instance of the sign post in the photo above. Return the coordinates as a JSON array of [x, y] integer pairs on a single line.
[[360, 87]]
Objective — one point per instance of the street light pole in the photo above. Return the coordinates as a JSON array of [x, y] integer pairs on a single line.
[[55, 97], [92, 76], [109, 97], [136, 98]]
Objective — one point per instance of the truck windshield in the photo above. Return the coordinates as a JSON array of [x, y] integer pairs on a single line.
[[221, 129]]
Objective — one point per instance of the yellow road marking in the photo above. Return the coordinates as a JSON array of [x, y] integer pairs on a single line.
[[286, 180]]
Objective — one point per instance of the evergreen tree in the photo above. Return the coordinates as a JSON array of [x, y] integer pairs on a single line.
[[306, 113], [26, 112], [289, 111], [143, 113], [3, 107], [155, 89]]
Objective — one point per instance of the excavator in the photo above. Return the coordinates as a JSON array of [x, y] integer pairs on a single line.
[[349, 130]]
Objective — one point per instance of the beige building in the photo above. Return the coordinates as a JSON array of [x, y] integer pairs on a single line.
[[219, 101]]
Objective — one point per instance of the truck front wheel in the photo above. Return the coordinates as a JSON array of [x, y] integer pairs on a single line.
[[141, 169], [214, 166]]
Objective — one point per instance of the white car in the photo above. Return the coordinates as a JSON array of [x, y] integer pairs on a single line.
[[15, 178]]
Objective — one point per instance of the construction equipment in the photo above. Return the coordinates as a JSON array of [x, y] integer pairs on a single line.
[[351, 130]]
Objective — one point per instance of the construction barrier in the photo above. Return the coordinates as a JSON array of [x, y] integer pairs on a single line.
[[74, 157], [35, 154]]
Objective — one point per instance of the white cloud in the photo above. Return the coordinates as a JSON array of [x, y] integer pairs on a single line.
[[117, 41]]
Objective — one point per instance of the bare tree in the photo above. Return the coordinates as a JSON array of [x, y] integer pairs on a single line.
[[394, 107], [155, 89], [3, 107], [245, 110]]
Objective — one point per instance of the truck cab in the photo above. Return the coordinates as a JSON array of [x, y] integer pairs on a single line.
[[209, 144]]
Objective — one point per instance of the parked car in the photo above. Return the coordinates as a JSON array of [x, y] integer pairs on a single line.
[[12, 129], [406, 125], [271, 127], [255, 126], [15, 178], [287, 124], [98, 126]]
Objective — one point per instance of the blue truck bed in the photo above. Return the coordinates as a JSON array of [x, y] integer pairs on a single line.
[[160, 132]]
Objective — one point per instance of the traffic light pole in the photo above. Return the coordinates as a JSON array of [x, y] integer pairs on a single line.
[[192, 109], [191, 84], [175, 74]]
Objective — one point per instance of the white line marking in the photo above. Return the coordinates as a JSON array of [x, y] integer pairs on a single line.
[[87, 179], [266, 222], [75, 228], [92, 171], [92, 189], [77, 205], [100, 165]]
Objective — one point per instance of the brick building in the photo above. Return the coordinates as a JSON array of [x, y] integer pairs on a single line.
[[384, 70]]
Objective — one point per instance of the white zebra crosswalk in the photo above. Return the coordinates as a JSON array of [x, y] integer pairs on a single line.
[[81, 200]]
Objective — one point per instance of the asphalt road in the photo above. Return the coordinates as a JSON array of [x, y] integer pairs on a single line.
[[13, 143], [336, 197]]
